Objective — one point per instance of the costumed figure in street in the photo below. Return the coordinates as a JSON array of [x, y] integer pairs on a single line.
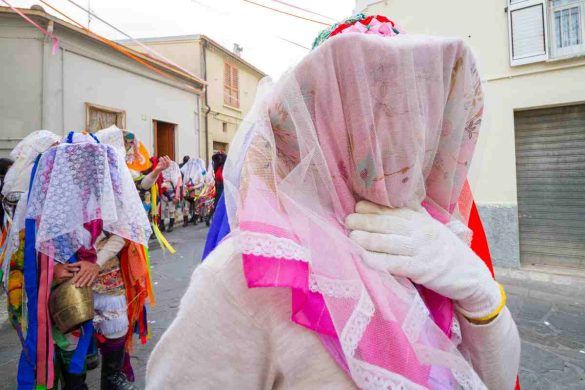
[[205, 200], [356, 257], [146, 172], [186, 159], [14, 194], [193, 172], [171, 194], [5, 204], [85, 266], [5, 164], [218, 160]]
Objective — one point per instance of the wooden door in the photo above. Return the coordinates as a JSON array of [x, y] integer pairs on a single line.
[[164, 139]]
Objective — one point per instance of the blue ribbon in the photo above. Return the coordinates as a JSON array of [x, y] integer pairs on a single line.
[[220, 227], [77, 365], [69, 139], [27, 363]]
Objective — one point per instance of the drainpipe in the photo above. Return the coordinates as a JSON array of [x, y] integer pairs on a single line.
[[45, 85], [206, 105]]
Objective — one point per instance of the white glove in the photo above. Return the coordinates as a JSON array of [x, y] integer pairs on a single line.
[[412, 244]]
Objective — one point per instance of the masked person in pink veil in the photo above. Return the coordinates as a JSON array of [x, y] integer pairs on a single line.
[[348, 264]]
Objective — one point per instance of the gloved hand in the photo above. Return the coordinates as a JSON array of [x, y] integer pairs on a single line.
[[412, 244]]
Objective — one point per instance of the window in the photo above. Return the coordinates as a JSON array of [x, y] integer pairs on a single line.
[[224, 127], [220, 147], [567, 27], [544, 29], [231, 92], [99, 117]]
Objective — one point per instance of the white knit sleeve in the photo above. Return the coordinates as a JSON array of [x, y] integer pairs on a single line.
[[148, 180], [211, 344], [111, 248], [494, 350]]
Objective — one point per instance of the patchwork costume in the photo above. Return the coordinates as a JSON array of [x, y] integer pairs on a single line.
[[141, 167], [14, 191], [193, 172], [171, 193], [82, 206]]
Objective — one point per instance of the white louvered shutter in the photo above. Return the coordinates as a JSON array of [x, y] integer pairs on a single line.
[[527, 24], [235, 88], [227, 84]]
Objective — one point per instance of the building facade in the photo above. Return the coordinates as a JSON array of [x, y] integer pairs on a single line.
[[86, 84], [231, 84], [531, 183]]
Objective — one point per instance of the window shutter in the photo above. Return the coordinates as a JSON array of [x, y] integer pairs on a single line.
[[227, 83], [527, 25], [235, 77], [227, 79], [235, 87]]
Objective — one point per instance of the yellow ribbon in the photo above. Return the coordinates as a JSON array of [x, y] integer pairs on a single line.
[[157, 233]]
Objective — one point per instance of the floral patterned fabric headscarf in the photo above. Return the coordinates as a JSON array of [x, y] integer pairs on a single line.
[[363, 116]]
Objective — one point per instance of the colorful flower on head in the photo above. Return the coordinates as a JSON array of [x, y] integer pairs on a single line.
[[360, 23]]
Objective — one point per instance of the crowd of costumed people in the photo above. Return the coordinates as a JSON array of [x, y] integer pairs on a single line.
[[77, 214]]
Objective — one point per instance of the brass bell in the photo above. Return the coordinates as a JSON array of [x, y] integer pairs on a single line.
[[70, 306]]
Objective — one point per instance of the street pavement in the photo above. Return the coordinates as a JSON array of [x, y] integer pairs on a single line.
[[170, 274], [551, 321]]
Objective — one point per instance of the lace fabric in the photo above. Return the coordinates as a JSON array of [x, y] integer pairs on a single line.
[[24, 154], [193, 172], [13, 239], [114, 137], [77, 183], [172, 174], [265, 245], [397, 128]]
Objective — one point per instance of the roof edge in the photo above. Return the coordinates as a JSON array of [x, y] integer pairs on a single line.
[[195, 37], [166, 67]]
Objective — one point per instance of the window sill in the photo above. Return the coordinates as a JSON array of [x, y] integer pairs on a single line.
[[567, 57], [233, 108]]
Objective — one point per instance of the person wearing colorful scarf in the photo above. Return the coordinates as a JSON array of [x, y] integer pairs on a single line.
[[137, 158], [171, 194], [218, 160], [83, 222], [146, 172], [193, 173], [5, 164], [356, 257], [14, 189]]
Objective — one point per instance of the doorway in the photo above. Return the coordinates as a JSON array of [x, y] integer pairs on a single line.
[[164, 139]]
